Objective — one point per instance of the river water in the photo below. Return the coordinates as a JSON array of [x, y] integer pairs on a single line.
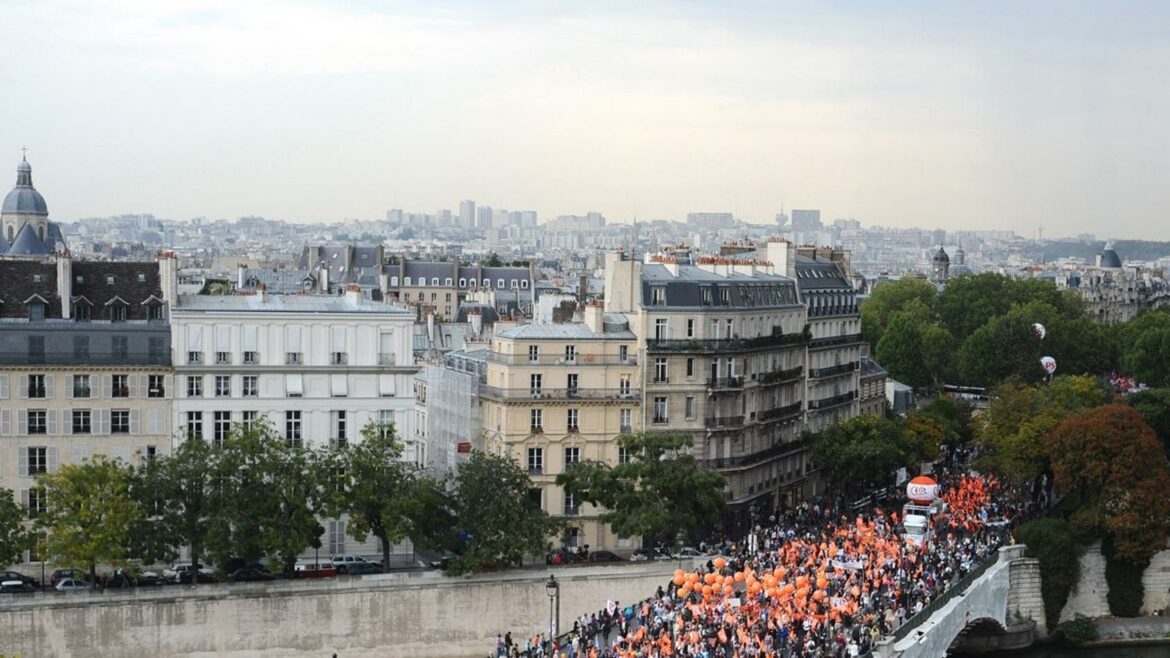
[[1119, 652]]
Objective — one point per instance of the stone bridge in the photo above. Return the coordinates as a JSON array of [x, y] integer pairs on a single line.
[[1000, 608]]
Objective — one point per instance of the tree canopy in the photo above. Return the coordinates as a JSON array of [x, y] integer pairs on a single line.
[[658, 493], [865, 451], [896, 297], [15, 537]]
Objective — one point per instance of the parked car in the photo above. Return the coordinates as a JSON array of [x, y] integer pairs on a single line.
[[605, 556], [250, 575], [175, 573], [71, 585], [643, 554], [311, 570], [687, 552], [343, 562], [16, 587], [363, 568], [6, 576], [61, 574], [202, 576]]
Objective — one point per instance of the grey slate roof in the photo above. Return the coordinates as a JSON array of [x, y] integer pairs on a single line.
[[1109, 257], [283, 304], [816, 274], [685, 290], [27, 243], [134, 283], [563, 331]]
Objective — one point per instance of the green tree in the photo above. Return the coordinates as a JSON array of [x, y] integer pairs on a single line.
[[905, 295], [1011, 432], [15, 537], [1147, 350], [659, 492], [1154, 406], [1052, 541], [862, 452], [384, 496], [186, 482], [1005, 347], [499, 520], [89, 514], [493, 260], [968, 302], [954, 417]]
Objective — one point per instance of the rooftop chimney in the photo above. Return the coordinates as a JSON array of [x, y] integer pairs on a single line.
[[476, 321], [168, 275], [353, 294], [595, 317], [262, 293], [65, 283], [241, 276]]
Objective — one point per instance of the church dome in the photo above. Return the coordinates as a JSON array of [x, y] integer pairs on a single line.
[[1109, 257], [24, 199], [941, 256]]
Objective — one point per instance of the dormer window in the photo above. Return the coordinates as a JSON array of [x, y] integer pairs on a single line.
[[463, 282], [142, 277], [79, 279], [448, 281], [434, 281], [407, 280], [37, 278], [36, 312], [117, 312], [81, 311], [109, 279], [154, 311]]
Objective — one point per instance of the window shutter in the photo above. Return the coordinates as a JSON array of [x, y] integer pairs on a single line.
[[51, 459], [22, 422], [69, 384], [154, 421], [339, 385], [68, 429], [24, 498], [50, 381], [135, 384], [250, 338], [23, 454], [3, 387], [338, 339], [24, 387], [293, 343], [134, 422], [51, 422], [223, 338], [101, 421], [386, 386], [104, 387], [5, 422], [194, 338]]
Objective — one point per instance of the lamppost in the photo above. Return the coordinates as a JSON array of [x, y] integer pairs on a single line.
[[553, 589]]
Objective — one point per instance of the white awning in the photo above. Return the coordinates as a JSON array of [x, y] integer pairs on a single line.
[[293, 336], [386, 386], [194, 338], [339, 385], [251, 341], [223, 339], [293, 385], [338, 339]]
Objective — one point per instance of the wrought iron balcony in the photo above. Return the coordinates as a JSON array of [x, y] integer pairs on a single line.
[[776, 376], [724, 421], [781, 412], [832, 371], [529, 394], [71, 358], [725, 382], [554, 359], [825, 403], [723, 345], [831, 341]]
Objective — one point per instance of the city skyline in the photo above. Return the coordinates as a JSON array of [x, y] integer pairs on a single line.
[[901, 116]]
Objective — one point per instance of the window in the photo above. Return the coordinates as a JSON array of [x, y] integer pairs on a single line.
[[81, 311], [194, 358], [534, 382], [221, 426], [462, 282], [154, 312], [537, 418], [690, 328], [524, 284], [571, 507], [81, 421], [194, 386], [250, 385], [195, 425], [223, 358], [660, 410], [119, 386], [36, 502], [36, 312], [121, 347], [623, 455], [339, 358], [572, 420], [730, 332], [689, 407], [406, 281], [156, 387], [572, 457], [499, 284], [658, 296], [119, 421], [251, 358], [292, 358], [570, 353], [292, 428], [223, 386], [36, 386], [572, 384], [660, 371], [536, 460], [624, 417], [38, 461], [660, 329], [623, 353], [340, 427], [247, 419], [725, 296], [386, 423], [706, 295], [690, 367], [434, 280], [117, 312], [81, 386], [36, 421], [534, 353], [151, 453], [624, 385]]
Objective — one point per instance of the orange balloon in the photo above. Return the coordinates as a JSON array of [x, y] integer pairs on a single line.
[[709, 578], [679, 579], [720, 563], [682, 592], [706, 590], [822, 583], [727, 590], [739, 577], [779, 572], [692, 577], [801, 581]]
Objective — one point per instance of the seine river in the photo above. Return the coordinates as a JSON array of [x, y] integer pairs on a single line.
[[1126, 652]]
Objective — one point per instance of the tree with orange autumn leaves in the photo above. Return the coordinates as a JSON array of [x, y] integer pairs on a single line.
[[1110, 460]]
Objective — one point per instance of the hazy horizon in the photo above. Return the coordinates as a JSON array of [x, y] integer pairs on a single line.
[[995, 116]]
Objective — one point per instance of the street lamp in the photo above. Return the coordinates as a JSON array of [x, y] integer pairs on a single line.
[[552, 588]]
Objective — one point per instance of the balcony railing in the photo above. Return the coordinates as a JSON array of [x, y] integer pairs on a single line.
[[387, 358], [831, 341], [791, 374], [572, 510], [560, 393], [831, 371], [835, 309], [727, 344], [825, 403], [72, 358], [578, 359], [781, 412], [725, 382], [724, 421], [758, 456]]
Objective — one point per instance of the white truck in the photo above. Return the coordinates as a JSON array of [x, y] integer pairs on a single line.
[[918, 521]]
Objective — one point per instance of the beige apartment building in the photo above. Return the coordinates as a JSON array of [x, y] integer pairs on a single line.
[[559, 394]]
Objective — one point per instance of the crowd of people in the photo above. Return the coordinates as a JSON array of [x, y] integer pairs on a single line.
[[821, 582]]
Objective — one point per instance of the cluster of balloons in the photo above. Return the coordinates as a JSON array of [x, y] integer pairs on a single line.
[[1046, 362]]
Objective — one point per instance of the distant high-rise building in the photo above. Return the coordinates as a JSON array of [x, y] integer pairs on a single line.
[[483, 217], [443, 218], [806, 220], [938, 236], [395, 216], [781, 219], [528, 218], [467, 214], [710, 219]]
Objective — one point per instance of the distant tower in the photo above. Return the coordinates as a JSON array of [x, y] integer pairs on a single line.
[[24, 216], [960, 266], [941, 265]]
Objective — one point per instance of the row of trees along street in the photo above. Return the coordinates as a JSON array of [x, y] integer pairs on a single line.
[[1096, 452]]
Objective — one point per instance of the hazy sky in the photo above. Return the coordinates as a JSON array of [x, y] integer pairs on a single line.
[[973, 114]]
